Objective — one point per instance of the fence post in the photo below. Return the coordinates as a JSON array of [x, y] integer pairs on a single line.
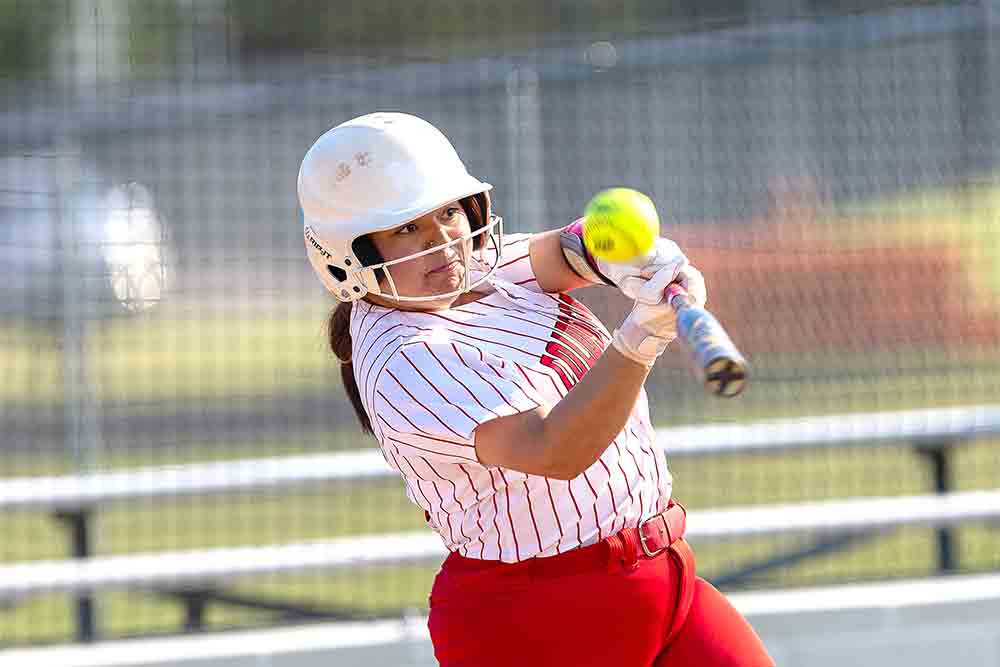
[[937, 456], [79, 527], [195, 602]]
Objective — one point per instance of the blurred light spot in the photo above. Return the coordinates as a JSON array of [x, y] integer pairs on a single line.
[[134, 248], [602, 55]]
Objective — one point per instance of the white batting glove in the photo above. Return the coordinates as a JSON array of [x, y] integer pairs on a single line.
[[631, 277], [687, 276], [628, 276], [652, 324]]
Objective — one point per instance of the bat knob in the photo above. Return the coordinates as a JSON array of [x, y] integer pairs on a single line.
[[726, 377]]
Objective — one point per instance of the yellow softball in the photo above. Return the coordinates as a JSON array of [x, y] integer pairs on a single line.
[[620, 224]]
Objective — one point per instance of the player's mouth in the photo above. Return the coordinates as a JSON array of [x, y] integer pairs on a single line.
[[445, 267]]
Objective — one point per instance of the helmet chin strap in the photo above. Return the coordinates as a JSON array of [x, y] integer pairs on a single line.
[[492, 241]]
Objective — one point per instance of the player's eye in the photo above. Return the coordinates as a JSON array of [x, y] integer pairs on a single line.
[[449, 215], [407, 229]]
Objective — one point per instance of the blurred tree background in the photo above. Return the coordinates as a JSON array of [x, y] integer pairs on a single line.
[[154, 33]]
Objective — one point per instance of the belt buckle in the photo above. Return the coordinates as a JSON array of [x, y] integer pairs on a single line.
[[642, 536]]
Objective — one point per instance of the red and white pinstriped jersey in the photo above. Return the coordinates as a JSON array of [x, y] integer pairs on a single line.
[[428, 379]]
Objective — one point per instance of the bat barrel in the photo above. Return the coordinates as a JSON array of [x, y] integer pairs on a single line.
[[716, 358]]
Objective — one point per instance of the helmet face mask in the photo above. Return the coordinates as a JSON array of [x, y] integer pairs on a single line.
[[480, 264], [376, 173]]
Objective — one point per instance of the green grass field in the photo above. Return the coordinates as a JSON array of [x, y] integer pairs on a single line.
[[174, 355], [171, 356]]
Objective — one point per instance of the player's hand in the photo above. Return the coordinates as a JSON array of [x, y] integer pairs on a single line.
[[645, 332], [687, 277], [631, 277], [652, 324]]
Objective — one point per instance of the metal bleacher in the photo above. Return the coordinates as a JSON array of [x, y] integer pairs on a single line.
[[833, 524]]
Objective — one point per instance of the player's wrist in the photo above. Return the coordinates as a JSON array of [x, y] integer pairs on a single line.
[[579, 258], [639, 343]]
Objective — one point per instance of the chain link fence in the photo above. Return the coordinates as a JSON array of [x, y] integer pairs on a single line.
[[833, 172]]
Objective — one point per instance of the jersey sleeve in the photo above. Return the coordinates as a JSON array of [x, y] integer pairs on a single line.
[[515, 264], [430, 398]]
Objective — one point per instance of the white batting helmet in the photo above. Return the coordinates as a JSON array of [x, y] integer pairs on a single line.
[[377, 172]]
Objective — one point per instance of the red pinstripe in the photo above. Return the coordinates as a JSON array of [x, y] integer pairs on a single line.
[[513, 530], [369, 384], [447, 514], [628, 487], [638, 469], [656, 465], [418, 447], [423, 433], [597, 518], [531, 512], [434, 386], [509, 332], [555, 512], [428, 410], [510, 313], [361, 344], [503, 364], [430, 506], [399, 467], [614, 503], [513, 261], [484, 378], [471, 393], [509, 244], [520, 368], [496, 517], [479, 512], [454, 494], [440, 509], [493, 342]]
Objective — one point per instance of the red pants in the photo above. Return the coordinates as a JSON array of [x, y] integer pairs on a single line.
[[644, 613]]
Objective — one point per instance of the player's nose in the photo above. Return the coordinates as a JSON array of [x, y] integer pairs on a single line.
[[438, 235]]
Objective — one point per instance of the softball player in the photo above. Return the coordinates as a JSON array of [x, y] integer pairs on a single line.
[[518, 423]]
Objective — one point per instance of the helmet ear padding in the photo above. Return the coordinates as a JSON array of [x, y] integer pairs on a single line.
[[366, 252]]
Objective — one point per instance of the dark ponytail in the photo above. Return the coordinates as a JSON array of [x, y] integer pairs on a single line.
[[339, 329]]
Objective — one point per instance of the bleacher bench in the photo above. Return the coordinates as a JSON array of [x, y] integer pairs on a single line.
[[833, 523]]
